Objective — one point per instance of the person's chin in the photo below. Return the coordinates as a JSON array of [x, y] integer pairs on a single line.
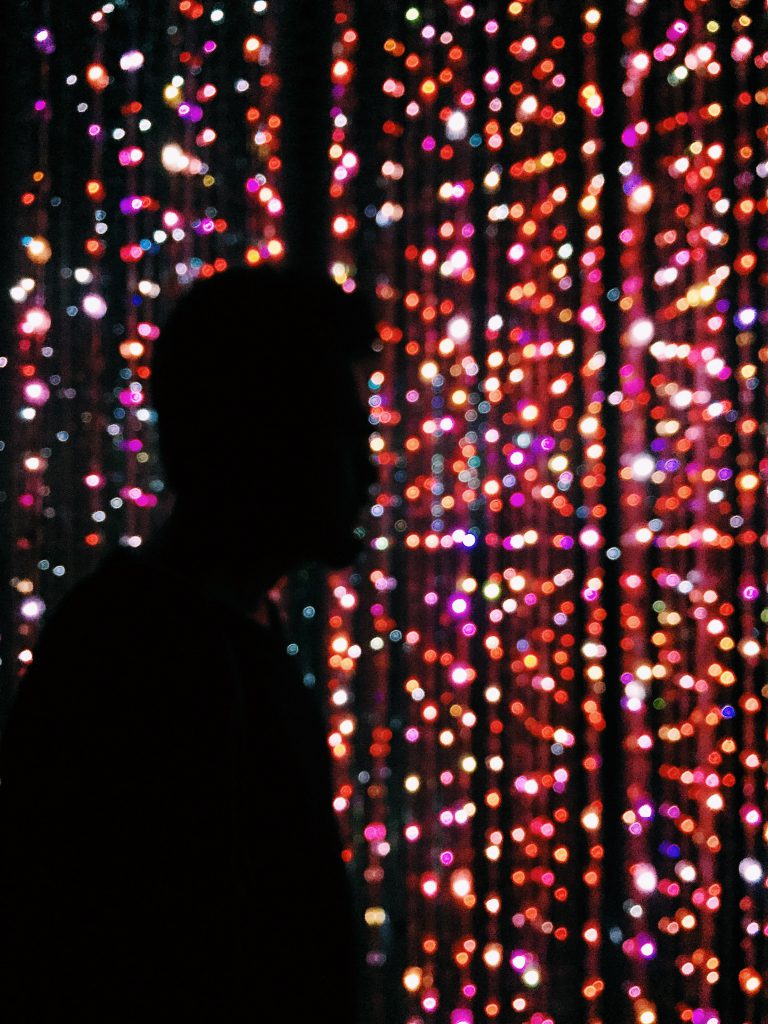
[[331, 544], [341, 550]]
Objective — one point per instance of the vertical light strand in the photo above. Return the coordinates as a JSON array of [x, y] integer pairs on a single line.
[[637, 464], [31, 392], [360, 671], [741, 988]]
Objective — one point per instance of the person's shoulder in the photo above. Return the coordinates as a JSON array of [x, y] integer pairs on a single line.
[[127, 610], [134, 583], [123, 632], [110, 598], [81, 657], [98, 585]]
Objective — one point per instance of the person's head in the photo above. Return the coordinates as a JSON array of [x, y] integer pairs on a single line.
[[258, 380]]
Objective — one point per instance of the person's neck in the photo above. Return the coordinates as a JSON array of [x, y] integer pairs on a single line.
[[188, 545]]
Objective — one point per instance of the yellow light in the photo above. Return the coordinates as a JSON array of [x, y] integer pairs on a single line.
[[412, 979], [375, 917], [461, 883], [492, 955], [747, 481], [640, 198], [39, 250], [590, 819], [97, 77]]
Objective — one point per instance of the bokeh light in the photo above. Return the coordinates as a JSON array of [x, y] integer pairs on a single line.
[[545, 680]]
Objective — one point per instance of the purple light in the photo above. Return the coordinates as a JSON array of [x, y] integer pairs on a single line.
[[646, 947], [704, 1015], [44, 42], [130, 205], [36, 392], [130, 156], [131, 397], [745, 317], [677, 30], [462, 1017], [190, 112]]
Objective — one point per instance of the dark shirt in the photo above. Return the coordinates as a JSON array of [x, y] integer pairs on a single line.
[[169, 847]]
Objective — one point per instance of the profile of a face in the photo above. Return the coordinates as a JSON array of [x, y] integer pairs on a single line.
[[268, 450], [302, 489]]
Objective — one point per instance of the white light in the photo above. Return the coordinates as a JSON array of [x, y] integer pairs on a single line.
[[132, 60], [750, 870], [645, 877], [458, 329], [36, 321], [94, 306], [174, 159], [32, 608], [640, 332], [643, 466], [456, 125], [589, 537]]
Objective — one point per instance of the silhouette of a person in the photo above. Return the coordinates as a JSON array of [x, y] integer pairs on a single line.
[[169, 847]]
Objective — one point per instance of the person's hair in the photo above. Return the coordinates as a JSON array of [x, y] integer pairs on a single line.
[[231, 346]]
